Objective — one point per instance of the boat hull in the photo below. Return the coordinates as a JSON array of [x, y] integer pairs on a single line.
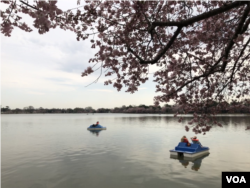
[[104, 128], [188, 155], [96, 127]]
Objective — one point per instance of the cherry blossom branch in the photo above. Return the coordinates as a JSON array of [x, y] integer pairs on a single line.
[[241, 53], [29, 5], [97, 78], [212, 69], [184, 24], [13, 6], [200, 17], [244, 28], [237, 31], [161, 53]]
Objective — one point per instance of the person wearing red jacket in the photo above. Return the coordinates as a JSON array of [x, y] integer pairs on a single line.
[[184, 139], [195, 140]]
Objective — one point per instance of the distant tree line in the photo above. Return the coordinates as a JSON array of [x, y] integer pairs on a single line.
[[233, 107], [31, 109]]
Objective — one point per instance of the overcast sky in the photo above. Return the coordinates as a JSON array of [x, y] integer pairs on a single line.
[[45, 71]]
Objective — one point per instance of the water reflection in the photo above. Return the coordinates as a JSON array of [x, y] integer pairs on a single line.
[[185, 162], [95, 132], [141, 118]]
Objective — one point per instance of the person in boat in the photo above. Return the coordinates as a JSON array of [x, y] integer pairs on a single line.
[[184, 139], [195, 140], [97, 123]]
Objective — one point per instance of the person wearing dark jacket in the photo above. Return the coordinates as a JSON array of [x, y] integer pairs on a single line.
[[94, 125]]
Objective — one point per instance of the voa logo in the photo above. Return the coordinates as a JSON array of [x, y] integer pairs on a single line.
[[235, 179]]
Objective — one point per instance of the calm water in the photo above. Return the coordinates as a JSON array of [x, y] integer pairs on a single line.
[[57, 151]]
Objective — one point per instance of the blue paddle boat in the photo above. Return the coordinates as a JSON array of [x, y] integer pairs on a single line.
[[193, 151], [97, 127]]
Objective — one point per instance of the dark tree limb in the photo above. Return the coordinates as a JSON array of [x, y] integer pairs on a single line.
[[236, 33], [29, 5], [225, 55], [161, 53], [190, 21], [200, 17], [241, 53]]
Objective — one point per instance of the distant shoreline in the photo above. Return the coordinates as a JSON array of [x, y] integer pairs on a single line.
[[215, 108], [130, 113]]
